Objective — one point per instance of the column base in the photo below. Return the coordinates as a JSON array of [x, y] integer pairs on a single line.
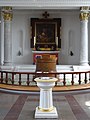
[[46, 114], [84, 64], [7, 63]]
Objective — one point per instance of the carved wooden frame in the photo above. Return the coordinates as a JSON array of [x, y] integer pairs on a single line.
[[51, 25]]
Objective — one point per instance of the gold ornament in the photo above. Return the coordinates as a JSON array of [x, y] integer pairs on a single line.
[[84, 8], [84, 16], [84, 13], [7, 13]]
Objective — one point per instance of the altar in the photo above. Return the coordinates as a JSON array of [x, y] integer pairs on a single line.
[[38, 54]]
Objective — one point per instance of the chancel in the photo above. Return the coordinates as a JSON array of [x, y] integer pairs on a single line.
[[55, 29], [44, 40], [28, 32]]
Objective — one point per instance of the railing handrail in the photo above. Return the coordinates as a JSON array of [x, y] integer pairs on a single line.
[[40, 72]]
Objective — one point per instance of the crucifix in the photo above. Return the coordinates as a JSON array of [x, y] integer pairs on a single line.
[[45, 14]]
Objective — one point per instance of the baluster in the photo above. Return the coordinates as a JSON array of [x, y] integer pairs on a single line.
[[72, 79], [1, 77], [12, 78], [79, 78], [19, 78], [85, 78], [56, 81], [6, 80], [28, 79], [55, 75], [64, 81]]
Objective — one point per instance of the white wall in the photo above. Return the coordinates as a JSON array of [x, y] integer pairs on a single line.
[[0, 43], [89, 40], [70, 35]]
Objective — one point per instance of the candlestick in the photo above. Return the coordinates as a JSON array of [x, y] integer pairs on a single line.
[[56, 41], [34, 40]]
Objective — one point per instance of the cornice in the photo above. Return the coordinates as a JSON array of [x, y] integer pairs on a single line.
[[42, 4]]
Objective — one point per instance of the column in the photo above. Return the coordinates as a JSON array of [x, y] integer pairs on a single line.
[[84, 14], [2, 39], [7, 15]]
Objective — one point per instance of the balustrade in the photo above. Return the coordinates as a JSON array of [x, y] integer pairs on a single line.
[[26, 78]]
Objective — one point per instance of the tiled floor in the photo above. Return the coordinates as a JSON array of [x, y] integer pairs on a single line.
[[70, 106]]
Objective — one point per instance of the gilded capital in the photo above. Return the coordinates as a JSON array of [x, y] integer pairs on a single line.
[[84, 8], [84, 16], [7, 13], [84, 13]]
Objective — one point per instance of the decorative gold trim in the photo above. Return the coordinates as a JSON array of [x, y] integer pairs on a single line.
[[40, 79], [45, 80], [46, 110], [45, 43], [84, 15], [7, 13], [84, 8], [7, 8]]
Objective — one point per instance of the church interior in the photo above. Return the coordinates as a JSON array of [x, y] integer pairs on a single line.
[[44, 51]]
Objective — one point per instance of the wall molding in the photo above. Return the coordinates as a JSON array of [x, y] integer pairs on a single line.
[[45, 4]]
